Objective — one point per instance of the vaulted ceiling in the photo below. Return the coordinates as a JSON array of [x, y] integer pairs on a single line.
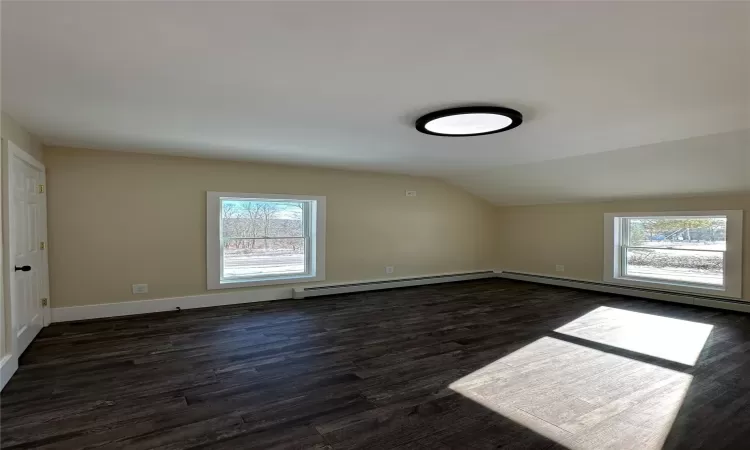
[[619, 98]]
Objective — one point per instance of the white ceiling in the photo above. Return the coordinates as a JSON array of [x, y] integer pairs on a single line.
[[604, 87]]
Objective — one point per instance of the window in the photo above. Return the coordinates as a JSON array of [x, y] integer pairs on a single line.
[[262, 239], [699, 252]]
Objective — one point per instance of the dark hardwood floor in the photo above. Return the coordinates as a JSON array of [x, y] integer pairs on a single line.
[[484, 364]]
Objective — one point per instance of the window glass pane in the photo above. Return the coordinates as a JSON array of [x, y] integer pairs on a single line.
[[685, 266], [243, 258], [699, 233], [255, 218]]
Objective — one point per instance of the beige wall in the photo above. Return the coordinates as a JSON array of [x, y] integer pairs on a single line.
[[536, 238], [117, 218], [15, 133]]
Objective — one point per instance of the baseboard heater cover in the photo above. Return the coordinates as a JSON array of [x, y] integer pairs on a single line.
[[654, 294], [344, 288]]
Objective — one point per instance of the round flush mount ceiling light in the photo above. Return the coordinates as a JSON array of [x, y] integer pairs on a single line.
[[469, 121]]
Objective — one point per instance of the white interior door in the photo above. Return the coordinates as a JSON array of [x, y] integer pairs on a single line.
[[27, 230]]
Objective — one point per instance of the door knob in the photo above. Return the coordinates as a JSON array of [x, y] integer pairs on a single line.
[[23, 269]]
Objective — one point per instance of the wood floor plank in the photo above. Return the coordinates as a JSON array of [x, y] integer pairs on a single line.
[[472, 365]]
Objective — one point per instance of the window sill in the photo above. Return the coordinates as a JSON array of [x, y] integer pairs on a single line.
[[676, 287], [269, 281]]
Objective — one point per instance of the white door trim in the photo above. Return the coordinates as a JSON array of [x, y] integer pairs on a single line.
[[20, 154], [8, 366]]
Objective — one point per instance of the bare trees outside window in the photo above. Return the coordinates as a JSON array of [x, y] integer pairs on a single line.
[[696, 252], [262, 237], [681, 249]]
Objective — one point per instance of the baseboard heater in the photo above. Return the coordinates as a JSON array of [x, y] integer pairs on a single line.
[[654, 294], [345, 288]]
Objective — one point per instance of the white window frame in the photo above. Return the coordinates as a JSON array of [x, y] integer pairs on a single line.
[[315, 227], [732, 256]]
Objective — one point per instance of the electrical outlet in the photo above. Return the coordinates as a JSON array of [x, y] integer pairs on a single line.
[[140, 289], [388, 269], [560, 268], [411, 193]]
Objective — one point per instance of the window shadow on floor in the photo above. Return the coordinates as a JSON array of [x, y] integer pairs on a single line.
[[649, 402]]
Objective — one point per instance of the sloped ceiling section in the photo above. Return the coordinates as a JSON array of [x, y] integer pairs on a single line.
[[702, 165], [611, 92]]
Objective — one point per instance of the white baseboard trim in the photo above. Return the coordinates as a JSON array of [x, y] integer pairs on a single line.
[[72, 313], [130, 308], [8, 366], [389, 283], [168, 304], [733, 305]]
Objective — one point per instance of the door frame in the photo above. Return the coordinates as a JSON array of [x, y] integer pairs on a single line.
[[9, 355]]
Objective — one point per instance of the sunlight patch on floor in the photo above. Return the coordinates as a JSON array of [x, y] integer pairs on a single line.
[[663, 337], [580, 397]]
